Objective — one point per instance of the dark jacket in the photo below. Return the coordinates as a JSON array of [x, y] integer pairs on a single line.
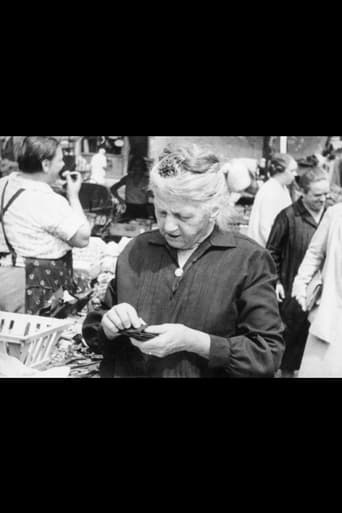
[[288, 242], [227, 291]]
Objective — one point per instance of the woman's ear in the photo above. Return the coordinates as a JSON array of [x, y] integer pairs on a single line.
[[46, 165]]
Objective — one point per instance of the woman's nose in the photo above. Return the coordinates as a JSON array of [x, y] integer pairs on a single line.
[[170, 226]]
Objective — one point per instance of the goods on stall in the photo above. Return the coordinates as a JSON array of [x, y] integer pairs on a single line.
[[95, 266], [131, 229], [99, 207], [82, 165], [72, 351], [100, 288], [111, 254], [13, 368], [29, 338], [97, 258], [63, 304], [88, 260], [107, 269]]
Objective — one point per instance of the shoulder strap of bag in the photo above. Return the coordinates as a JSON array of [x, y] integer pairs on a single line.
[[3, 210]]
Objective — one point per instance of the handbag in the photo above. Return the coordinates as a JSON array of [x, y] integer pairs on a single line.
[[314, 290]]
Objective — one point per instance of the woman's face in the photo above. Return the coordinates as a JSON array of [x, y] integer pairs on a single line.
[[182, 224], [54, 166], [291, 173]]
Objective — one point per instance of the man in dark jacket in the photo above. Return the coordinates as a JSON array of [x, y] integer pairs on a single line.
[[288, 242]]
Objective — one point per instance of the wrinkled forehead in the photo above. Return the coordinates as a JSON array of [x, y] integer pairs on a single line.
[[173, 204]]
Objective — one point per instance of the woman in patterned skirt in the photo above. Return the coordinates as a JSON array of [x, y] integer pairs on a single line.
[[38, 227]]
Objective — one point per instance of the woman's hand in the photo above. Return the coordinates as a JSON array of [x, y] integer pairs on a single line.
[[74, 183], [280, 293], [302, 301], [174, 338], [299, 293], [120, 317]]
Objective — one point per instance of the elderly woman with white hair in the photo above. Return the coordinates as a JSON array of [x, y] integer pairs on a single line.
[[190, 299]]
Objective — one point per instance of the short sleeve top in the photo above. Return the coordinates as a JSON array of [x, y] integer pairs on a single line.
[[40, 222]]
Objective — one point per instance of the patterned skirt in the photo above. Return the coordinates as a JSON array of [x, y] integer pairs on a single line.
[[44, 277]]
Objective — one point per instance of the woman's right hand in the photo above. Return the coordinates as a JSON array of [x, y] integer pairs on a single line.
[[74, 183], [120, 317], [299, 293], [302, 302], [280, 293]]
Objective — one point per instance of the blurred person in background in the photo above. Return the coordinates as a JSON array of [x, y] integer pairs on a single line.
[[289, 240], [98, 166], [136, 201], [272, 197], [242, 178], [323, 352]]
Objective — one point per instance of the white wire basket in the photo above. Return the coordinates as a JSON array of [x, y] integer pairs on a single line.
[[30, 338]]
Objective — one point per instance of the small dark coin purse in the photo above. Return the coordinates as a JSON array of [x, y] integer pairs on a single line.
[[139, 334]]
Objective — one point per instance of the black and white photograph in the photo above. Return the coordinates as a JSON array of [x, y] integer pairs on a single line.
[[170, 257]]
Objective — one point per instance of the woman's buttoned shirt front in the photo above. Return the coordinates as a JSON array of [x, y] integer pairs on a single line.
[[226, 290]]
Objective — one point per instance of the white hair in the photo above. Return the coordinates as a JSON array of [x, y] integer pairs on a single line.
[[194, 176]]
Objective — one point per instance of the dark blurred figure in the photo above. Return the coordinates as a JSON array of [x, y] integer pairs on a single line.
[[288, 242], [90, 143], [136, 195], [137, 198]]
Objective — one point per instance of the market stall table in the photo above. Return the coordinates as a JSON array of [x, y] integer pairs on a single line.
[[72, 351]]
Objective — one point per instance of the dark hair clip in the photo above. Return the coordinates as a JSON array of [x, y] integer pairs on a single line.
[[171, 165]]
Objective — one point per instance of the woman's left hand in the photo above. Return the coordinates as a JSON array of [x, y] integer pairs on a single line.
[[174, 338]]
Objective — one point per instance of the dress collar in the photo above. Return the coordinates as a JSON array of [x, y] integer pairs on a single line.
[[218, 238], [301, 210]]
